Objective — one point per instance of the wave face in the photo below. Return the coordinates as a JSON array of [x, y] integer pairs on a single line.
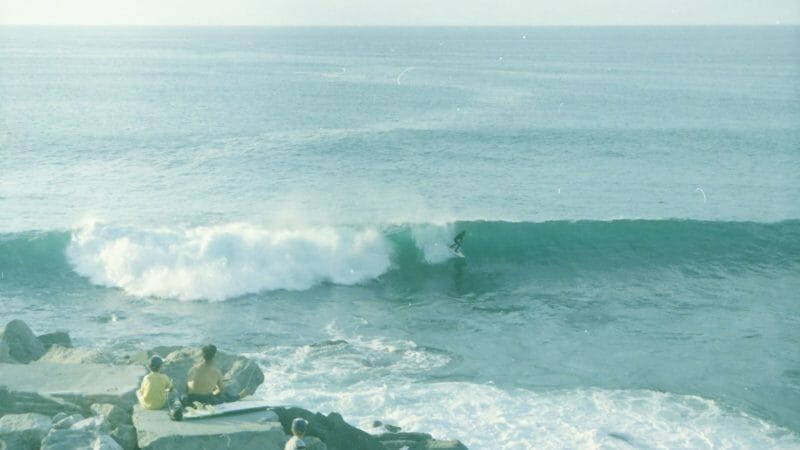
[[224, 261]]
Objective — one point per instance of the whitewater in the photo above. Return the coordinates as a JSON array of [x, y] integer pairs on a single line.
[[628, 197]]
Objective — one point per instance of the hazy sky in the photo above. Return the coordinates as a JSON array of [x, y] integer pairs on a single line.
[[398, 12]]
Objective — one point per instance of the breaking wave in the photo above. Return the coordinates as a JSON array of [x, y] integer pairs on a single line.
[[225, 261]]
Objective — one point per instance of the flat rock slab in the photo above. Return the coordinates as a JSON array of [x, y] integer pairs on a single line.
[[70, 379], [259, 430], [41, 386]]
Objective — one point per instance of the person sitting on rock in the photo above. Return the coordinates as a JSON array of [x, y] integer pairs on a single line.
[[204, 382], [155, 388], [299, 426]]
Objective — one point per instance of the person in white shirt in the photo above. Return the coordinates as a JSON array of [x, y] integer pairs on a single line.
[[299, 427]]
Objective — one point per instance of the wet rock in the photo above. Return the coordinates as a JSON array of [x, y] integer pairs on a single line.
[[125, 435], [5, 356], [67, 421], [24, 431], [84, 439], [115, 415], [22, 343], [97, 425], [67, 355], [57, 338], [331, 429], [313, 443]]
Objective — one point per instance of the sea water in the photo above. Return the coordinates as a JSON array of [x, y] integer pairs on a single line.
[[629, 196]]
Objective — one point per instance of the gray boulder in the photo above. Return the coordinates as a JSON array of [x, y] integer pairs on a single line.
[[66, 422], [22, 343], [24, 431], [49, 388], [125, 435], [68, 355], [78, 440], [314, 443], [97, 425], [115, 415], [106, 442], [443, 445], [417, 441], [258, 430], [5, 356], [330, 429], [58, 338], [239, 373]]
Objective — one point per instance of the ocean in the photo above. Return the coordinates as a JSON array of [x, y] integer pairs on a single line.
[[629, 195]]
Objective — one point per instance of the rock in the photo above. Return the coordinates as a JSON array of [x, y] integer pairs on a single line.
[[400, 444], [417, 441], [24, 431], [49, 388], [66, 355], [313, 443], [97, 425], [78, 440], [106, 442], [20, 402], [115, 415], [58, 338], [58, 439], [5, 356], [444, 445], [258, 430], [331, 429], [67, 422], [243, 375], [239, 373], [405, 436], [22, 343], [125, 435]]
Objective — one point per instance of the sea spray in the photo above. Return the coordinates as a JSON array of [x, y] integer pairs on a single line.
[[224, 261], [374, 378]]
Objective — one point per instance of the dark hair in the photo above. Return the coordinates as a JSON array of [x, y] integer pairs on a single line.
[[299, 425], [155, 363], [209, 351]]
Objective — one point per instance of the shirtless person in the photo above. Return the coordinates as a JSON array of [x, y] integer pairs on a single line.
[[204, 383]]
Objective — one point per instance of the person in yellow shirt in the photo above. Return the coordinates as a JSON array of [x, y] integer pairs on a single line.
[[155, 388]]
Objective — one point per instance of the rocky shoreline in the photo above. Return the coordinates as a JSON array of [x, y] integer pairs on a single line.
[[54, 396]]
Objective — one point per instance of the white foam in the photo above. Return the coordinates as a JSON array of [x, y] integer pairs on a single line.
[[433, 241], [224, 261], [368, 379]]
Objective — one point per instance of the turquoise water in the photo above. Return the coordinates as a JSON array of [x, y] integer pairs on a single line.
[[629, 197]]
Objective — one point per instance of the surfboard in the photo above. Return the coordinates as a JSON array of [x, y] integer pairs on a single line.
[[224, 409], [457, 253]]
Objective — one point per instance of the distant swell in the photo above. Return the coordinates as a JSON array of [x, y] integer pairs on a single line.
[[224, 261]]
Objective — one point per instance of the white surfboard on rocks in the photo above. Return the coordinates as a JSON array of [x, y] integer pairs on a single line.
[[202, 411]]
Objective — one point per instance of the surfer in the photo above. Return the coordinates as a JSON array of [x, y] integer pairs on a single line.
[[456, 245]]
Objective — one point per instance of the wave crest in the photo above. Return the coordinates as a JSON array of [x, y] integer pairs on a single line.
[[224, 261]]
